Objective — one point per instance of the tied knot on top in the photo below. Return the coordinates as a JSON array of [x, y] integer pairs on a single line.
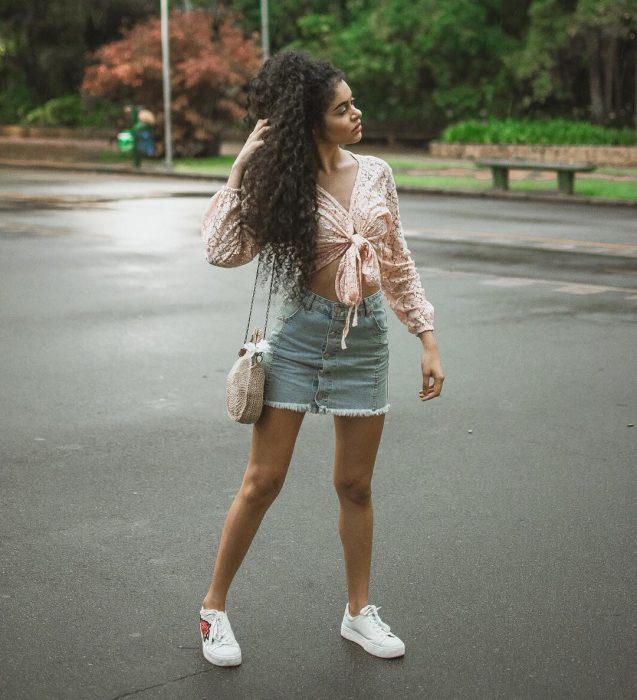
[[359, 261]]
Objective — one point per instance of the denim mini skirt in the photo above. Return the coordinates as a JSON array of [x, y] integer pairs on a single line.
[[307, 370]]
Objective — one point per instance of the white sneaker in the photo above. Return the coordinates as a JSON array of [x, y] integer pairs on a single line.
[[368, 630], [219, 645]]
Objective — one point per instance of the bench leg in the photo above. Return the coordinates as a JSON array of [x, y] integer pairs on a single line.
[[500, 178], [565, 182]]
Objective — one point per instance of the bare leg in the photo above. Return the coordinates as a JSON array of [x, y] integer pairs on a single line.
[[273, 439], [357, 441]]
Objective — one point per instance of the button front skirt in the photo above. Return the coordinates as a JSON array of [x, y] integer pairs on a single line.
[[307, 370]]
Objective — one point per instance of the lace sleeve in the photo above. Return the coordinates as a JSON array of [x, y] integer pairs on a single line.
[[228, 242], [400, 279]]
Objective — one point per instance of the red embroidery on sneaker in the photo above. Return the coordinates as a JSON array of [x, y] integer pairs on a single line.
[[205, 628]]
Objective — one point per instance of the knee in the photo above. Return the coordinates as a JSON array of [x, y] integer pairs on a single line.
[[259, 488], [357, 491]]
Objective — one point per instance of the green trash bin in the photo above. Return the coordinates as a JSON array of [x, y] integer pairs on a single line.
[[126, 141]]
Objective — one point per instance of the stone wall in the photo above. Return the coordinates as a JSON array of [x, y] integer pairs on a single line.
[[58, 144], [618, 156], [58, 149], [56, 132]]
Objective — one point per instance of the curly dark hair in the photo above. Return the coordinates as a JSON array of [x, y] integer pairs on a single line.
[[292, 90]]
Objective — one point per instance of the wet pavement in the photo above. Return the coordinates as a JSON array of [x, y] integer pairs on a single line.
[[504, 535]]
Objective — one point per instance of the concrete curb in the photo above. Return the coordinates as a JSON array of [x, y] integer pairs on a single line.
[[407, 189], [77, 200]]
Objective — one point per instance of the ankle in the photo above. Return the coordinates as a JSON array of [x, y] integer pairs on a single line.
[[210, 603], [354, 609]]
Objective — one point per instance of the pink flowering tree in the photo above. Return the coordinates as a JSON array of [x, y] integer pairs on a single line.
[[211, 63]]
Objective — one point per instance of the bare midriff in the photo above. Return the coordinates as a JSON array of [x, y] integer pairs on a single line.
[[324, 281]]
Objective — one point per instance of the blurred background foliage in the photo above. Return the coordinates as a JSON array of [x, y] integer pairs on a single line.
[[421, 64], [528, 131], [44, 46]]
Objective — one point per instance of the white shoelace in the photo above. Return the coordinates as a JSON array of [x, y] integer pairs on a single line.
[[375, 617], [218, 631]]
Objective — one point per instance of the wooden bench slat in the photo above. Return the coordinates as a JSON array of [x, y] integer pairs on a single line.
[[536, 165]]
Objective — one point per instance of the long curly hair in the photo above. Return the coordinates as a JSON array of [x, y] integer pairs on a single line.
[[279, 203]]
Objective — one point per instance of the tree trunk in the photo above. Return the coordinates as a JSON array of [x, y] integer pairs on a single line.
[[623, 67], [343, 12], [595, 77], [610, 73], [635, 95]]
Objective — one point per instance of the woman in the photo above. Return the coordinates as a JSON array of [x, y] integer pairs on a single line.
[[326, 225]]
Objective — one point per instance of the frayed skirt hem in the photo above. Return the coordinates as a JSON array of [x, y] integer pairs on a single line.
[[354, 411], [299, 407], [304, 408]]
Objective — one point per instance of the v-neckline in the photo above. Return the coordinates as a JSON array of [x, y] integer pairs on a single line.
[[354, 186]]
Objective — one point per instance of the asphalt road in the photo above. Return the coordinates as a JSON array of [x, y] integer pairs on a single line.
[[504, 540]]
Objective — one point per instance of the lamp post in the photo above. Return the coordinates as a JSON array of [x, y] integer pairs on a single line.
[[265, 30], [165, 60]]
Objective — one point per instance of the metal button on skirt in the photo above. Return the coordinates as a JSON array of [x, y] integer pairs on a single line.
[[307, 370]]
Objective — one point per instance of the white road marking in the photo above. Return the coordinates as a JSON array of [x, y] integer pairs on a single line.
[[504, 281], [525, 240], [508, 281], [583, 289]]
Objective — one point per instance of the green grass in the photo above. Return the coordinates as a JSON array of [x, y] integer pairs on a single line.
[[589, 187], [111, 157], [606, 188], [220, 167], [441, 181], [428, 164], [222, 164]]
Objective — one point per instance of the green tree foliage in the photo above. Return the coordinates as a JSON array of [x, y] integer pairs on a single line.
[[44, 43], [606, 28], [72, 111], [433, 61], [580, 55], [414, 62], [409, 61], [211, 62], [286, 16]]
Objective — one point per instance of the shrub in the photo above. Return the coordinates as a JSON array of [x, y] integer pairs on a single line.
[[549, 131], [16, 101], [71, 110]]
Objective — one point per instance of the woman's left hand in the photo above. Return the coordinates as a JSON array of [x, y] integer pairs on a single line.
[[431, 367]]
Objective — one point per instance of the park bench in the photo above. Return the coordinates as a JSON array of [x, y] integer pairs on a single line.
[[565, 171]]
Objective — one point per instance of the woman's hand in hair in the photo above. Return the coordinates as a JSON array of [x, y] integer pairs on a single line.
[[254, 141]]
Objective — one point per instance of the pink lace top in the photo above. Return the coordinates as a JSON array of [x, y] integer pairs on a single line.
[[367, 238]]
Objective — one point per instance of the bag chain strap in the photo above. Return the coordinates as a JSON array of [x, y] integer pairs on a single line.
[[267, 311]]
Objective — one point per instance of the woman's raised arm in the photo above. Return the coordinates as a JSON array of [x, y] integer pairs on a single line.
[[229, 242]]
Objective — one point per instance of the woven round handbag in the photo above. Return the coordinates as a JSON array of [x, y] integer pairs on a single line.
[[246, 379], [244, 386]]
